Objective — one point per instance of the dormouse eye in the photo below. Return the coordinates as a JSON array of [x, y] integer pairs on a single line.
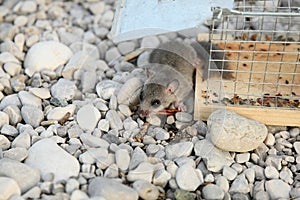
[[155, 103]]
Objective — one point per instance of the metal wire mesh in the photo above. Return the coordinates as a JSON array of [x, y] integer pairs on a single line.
[[261, 42]]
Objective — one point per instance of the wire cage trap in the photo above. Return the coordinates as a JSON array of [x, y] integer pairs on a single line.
[[261, 45]]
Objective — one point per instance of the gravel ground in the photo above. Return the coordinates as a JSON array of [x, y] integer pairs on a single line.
[[69, 128]]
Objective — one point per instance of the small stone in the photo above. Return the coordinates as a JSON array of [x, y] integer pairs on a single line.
[[125, 110], [161, 134], [33, 193], [209, 178], [296, 146], [103, 125], [229, 173], [4, 143], [271, 172], [150, 42], [138, 156], [112, 171], [242, 158], [188, 178], [93, 141], [23, 140], [126, 47], [17, 153], [222, 126], [144, 171], [4, 119], [114, 120], [42, 93], [122, 159], [32, 115], [12, 68], [178, 150], [110, 189], [270, 139], [223, 183], [294, 132], [240, 185], [10, 100], [27, 98], [183, 117], [106, 88], [88, 117], [214, 158], [64, 89], [71, 185], [48, 157], [14, 113], [8, 188], [146, 190], [28, 6], [25, 176], [106, 19], [59, 113], [212, 191], [262, 195], [129, 92], [161, 177], [184, 195], [112, 54], [9, 130], [277, 189], [78, 194], [46, 55], [250, 175], [88, 81], [93, 155]]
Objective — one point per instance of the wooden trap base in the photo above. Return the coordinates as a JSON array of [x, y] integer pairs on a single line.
[[254, 79]]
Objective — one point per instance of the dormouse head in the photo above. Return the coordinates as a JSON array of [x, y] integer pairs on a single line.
[[155, 97]]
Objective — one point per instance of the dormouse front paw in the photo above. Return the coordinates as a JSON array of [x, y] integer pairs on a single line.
[[180, 106]]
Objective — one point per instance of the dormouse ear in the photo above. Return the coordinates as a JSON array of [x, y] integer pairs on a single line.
[[172, 86]]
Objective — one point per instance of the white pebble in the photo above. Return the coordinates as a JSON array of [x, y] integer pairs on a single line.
[[48, 157], [8, 188], [271, 172], [242, 157], [277, 189], [122, 159], [63, 89], [146, 190], [46, 55], [32, 115], [88, 117], [188, 178]]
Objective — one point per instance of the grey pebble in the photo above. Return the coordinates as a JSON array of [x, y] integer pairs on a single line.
[[32, 115], [188, 178], [26, 176], [4, 119], [4, 142], [212, 191], [17, 153], [271, 172], [114, 120], [122, 159], [93, 141], [146, 190], [110, 189], [177, 150], [64, 89], [240, 185], [8, 188], [161, 177], [161, 134], [144, 171], [183, 117], [14, 114], [277, 189], [9, 130]]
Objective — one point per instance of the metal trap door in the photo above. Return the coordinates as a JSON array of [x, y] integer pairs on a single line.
[[138, 18]]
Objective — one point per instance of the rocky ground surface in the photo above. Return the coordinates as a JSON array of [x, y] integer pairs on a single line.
[[69, 125]]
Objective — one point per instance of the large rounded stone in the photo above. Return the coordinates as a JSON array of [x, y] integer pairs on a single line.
[[232, 132]]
